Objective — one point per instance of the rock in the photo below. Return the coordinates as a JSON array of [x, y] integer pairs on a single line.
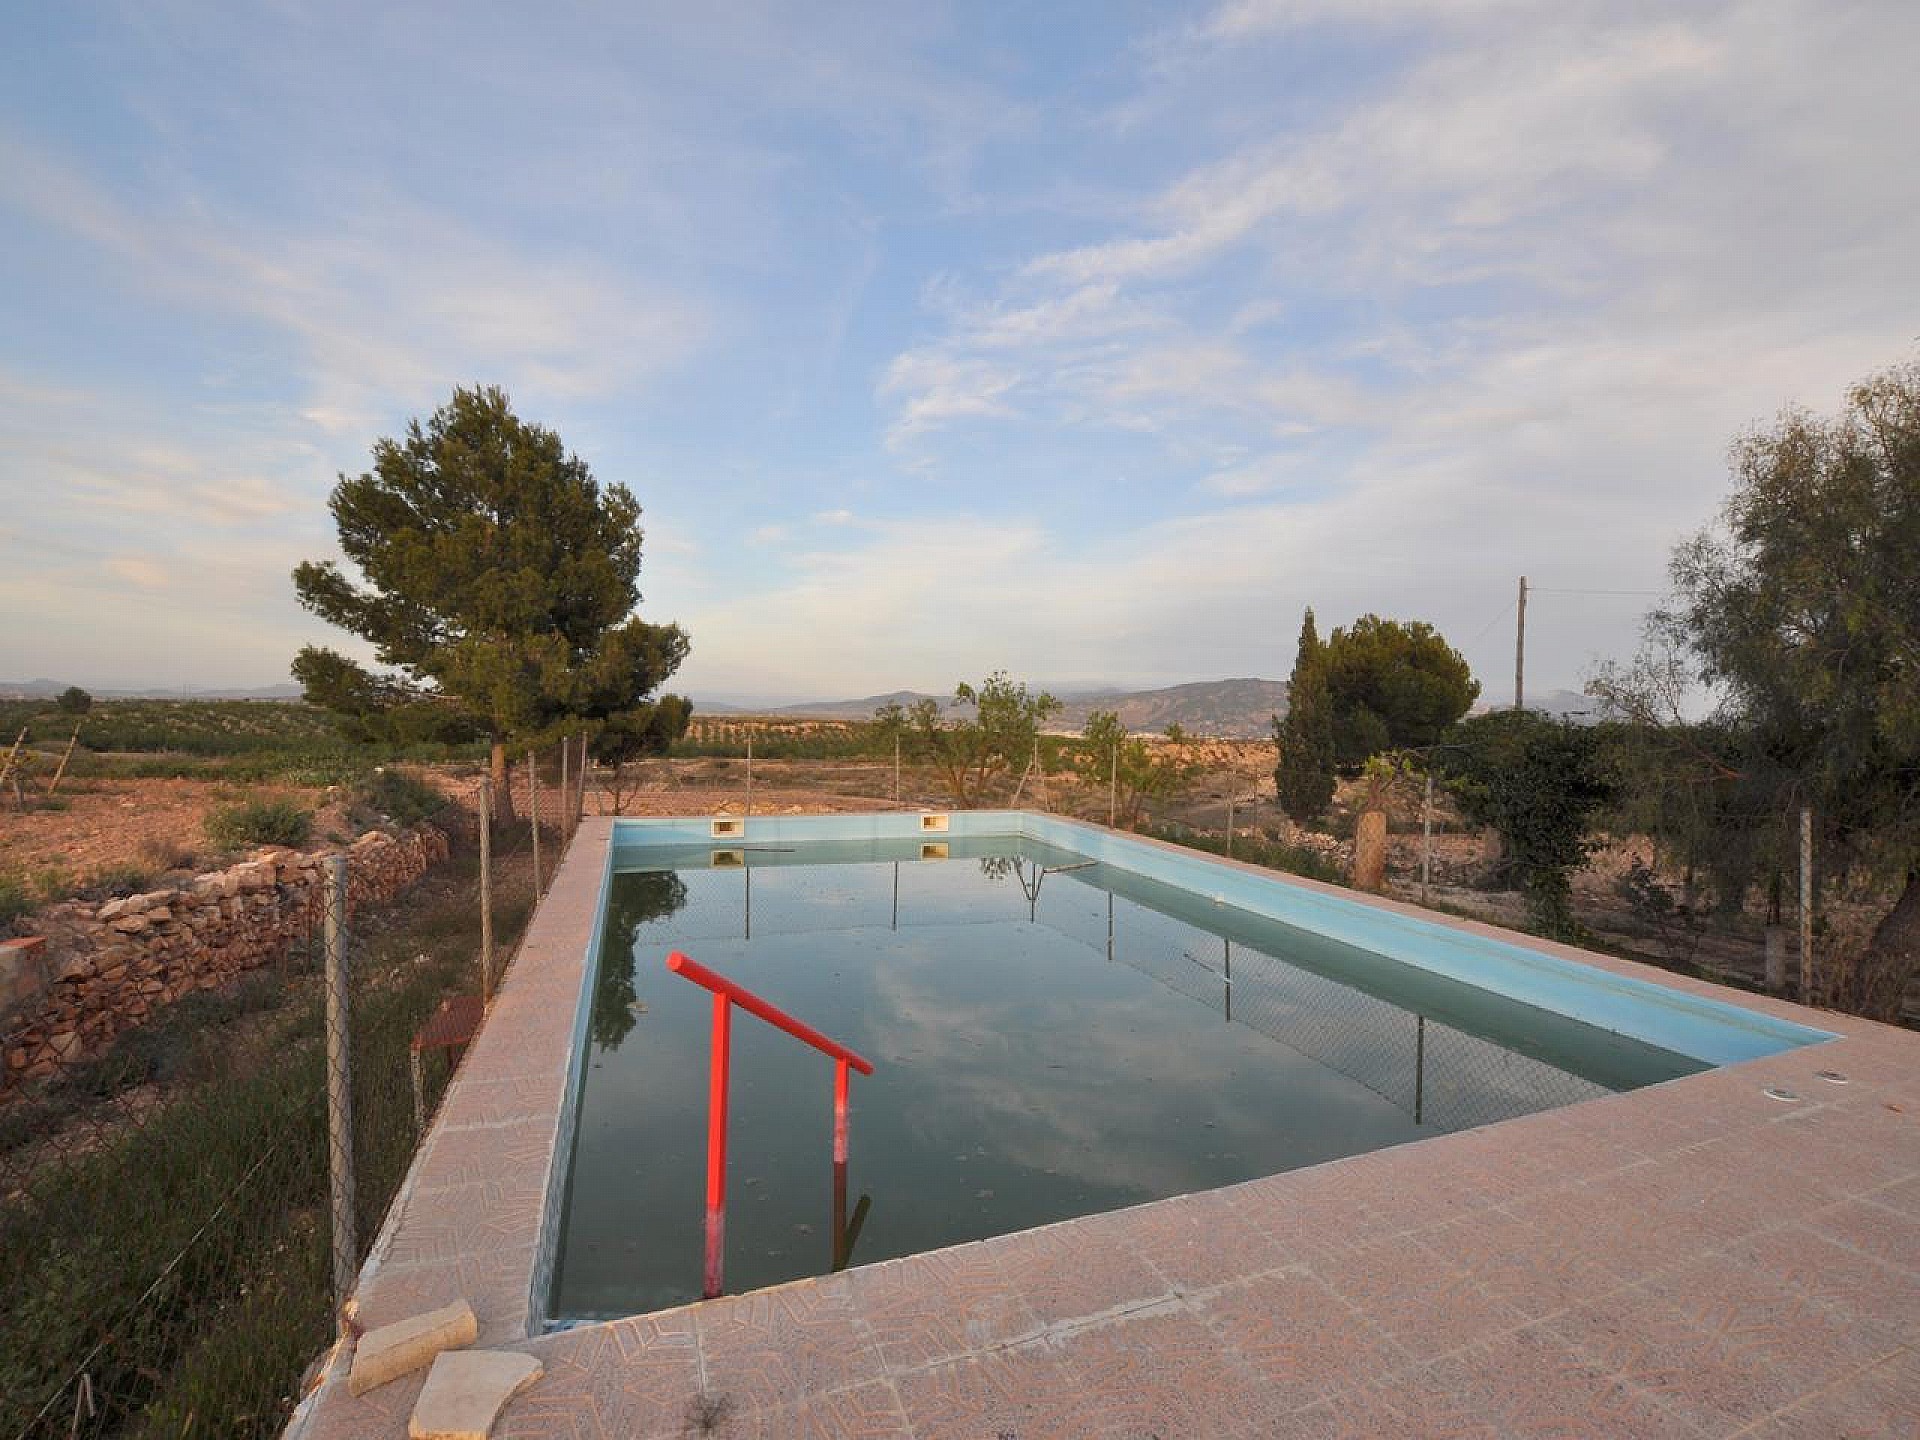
[[112, 910], [465, 1392], [131, 924], [66, 1044], [404, 1346]]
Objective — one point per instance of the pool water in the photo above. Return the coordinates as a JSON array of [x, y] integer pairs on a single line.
[[1051, 1037]]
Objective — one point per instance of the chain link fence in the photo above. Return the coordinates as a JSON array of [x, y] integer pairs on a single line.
[[178, 1220]]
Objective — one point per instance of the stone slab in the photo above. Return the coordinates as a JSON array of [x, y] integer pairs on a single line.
[[406, 1345], [466, 1390]]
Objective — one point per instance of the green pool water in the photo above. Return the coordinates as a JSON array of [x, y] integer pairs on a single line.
[[1051, 1038]]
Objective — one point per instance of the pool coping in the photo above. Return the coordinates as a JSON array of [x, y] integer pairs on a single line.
[[477, 1212]]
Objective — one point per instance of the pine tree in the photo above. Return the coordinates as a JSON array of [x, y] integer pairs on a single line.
[[500, 582], [1304, 776]]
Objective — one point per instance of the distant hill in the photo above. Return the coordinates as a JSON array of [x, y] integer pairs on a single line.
[[48, 689], [1226, 708]]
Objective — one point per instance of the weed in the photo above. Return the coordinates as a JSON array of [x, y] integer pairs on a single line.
[[167, 853], [16, 899], [259, 822], [402, 798]]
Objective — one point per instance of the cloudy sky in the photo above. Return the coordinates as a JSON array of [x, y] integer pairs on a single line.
[[1089, 340]]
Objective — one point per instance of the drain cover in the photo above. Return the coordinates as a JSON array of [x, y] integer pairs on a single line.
[[1832, 1077], [1775, 1092]]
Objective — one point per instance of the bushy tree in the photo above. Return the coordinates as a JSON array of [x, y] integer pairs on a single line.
[[1538, 782], [985, 735], [1394, 685], [499, 582], [634, 734], [1802, 607], [1303, 778], [1137, 771], [74, 701]]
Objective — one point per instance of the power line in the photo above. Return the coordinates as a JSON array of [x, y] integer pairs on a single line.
[[1638, 594]]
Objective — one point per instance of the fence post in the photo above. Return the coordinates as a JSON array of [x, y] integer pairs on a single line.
[[533, 809], [566, 793], [896, 770], [339, 1084], [1806, 905], [486, 889], [580, 789], [1426, 839], [749, 772], [1230, 826]]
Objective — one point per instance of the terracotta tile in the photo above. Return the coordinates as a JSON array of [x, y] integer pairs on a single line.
[[1018, 1394], [939, 1306], [1888, 1235], [1424, 1301], [1077, 1270], [1297, 1338], [1882, 1403], [1854, 1288], [1523, 1269], [775, 1347], [1722, 1360], [1200, 1241], [1530, 1385], [1165, 1374], [861, 1412]]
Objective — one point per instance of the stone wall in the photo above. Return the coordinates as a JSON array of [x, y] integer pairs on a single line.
[[105, 968]]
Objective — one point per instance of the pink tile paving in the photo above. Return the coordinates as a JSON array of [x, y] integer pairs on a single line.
[[1694, 1259]]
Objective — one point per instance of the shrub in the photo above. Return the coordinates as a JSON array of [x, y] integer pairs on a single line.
[[403, 798], [259, 822], [16, 899]]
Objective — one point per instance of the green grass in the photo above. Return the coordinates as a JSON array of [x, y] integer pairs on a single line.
[[217, 1198]]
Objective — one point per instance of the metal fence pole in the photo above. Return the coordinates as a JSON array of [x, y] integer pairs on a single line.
[[896, 770], [580, 791], [486, 889], [1230, 827], [566, 792], [749, 772], [1113, 786], [1426, 841], [339, 1083], [533, 809], [1806, 904]]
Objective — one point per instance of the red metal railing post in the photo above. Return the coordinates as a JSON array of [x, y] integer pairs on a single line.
[[717, 1145], [727, 994], [840, 1113]]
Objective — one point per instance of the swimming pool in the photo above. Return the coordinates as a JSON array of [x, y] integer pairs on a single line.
[[1062, 1020]]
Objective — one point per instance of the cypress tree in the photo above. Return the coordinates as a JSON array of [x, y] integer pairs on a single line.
[[1304, 776]]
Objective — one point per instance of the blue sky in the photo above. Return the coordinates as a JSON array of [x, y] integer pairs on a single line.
[[1091, 341]]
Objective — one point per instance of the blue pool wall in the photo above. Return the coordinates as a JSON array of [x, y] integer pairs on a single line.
[[1712, 1031]]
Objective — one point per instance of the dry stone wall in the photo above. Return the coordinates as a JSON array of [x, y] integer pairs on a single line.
[[106, 968]]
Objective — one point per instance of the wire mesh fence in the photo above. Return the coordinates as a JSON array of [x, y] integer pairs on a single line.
[[178, 1220]]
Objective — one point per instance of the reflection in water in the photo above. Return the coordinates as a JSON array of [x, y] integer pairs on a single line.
[[1042, 1051], [636, 901]]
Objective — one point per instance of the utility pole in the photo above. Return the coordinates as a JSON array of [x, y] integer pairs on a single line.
[[1520, 652]]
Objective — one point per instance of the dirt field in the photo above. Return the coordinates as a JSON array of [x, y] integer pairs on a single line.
[[109, 824]]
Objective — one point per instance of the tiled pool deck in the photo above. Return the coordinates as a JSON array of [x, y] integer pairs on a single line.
[[1693, 1259]]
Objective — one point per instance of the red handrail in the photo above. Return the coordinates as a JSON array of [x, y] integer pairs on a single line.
[[727, 994], [700, 975]]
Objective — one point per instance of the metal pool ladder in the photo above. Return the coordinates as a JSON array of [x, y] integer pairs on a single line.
[[727, 994]]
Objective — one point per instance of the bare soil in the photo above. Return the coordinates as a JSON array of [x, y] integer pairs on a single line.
[[110, 823]]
